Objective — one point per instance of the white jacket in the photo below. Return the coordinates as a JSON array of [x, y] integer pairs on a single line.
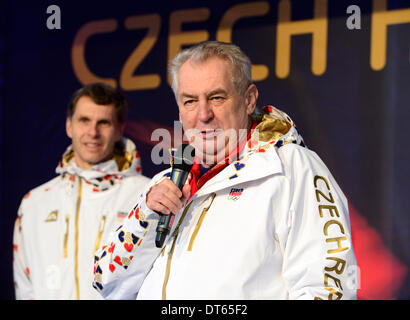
[[61, 223], [272, 225]]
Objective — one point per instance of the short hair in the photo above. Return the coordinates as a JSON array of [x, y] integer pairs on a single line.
[[101, 94], [242, 76]]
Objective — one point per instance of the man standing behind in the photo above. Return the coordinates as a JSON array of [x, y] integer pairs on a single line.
[[61, 223]]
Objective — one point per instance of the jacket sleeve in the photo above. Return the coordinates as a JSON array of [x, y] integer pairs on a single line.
[[21, 271], [121, 265], [319, 262]]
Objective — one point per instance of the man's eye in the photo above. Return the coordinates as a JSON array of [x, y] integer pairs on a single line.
[[189, 102], [218, 99]]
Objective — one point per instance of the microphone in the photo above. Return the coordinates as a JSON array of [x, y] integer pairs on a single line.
[[182, 163]]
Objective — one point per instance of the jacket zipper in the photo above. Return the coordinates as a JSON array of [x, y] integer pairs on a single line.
[[67, 225], [199, 223], [168, 268], [100, 231], [77, 214]]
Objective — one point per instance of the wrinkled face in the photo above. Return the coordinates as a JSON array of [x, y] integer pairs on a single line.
[[215, 117], [94, 130]]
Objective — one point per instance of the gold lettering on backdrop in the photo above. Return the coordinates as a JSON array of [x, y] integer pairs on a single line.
[[287, 28], [381, 19], [178, 38], [83, 74], [232, 15], [337, 268], [141, 82]]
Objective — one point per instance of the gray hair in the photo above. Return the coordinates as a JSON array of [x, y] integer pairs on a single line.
[[241, 77]]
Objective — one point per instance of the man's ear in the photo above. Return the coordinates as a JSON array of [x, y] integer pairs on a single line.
[[68, 127], [251, 96]]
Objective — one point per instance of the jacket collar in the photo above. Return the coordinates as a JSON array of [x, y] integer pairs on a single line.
[[252, 166], [126, 161]]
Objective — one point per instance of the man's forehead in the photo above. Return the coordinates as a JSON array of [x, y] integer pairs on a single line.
[[85, 106], [209, 76], [215, 60]]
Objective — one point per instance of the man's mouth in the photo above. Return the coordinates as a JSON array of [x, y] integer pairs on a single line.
[[92, 145], [210, 133]]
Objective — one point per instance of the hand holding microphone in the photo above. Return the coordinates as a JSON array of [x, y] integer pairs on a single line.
[[169, 196]]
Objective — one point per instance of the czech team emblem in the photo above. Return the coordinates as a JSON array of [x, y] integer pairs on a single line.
[[235, 194]]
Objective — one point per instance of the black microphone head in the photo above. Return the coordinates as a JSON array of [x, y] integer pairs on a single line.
[[184, 157]]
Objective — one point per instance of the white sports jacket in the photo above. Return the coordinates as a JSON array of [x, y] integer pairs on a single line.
[[272, 225], [61, 223]]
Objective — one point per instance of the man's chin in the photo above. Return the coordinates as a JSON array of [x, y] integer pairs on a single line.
[[210, 159]]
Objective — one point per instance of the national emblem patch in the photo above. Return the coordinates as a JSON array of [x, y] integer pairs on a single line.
[[235, 194]]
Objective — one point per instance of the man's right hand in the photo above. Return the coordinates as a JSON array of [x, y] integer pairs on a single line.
[[165, 197]]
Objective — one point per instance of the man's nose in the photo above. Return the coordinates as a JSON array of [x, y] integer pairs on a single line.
[[205, 113], [93, 130]]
